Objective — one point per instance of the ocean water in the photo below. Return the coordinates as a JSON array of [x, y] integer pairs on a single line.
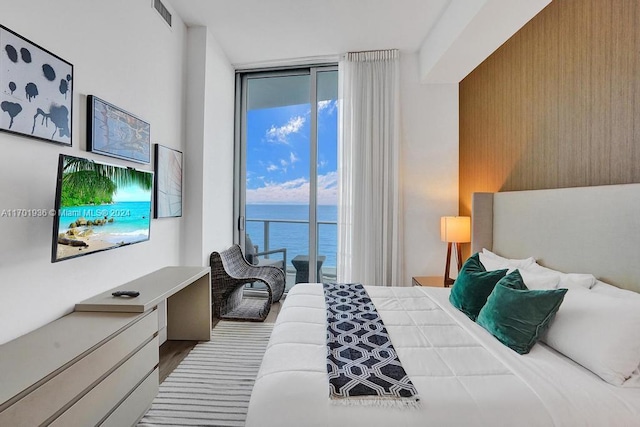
[[289, 229], [130, 220]]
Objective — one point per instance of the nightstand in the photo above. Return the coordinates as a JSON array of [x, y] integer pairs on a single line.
[[434, 281]]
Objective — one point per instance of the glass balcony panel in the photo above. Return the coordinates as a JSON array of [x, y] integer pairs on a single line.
[[293, 235]]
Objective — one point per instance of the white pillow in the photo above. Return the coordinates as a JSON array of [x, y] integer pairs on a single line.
[[492, 261], [540, 281], [576, 280], [537, 268], [601, 333], [607, 289], [567, 280]]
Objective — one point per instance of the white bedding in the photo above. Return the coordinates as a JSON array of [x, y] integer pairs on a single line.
[[463, 375]]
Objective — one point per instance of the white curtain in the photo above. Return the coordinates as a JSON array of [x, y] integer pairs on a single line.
[[369, 201]]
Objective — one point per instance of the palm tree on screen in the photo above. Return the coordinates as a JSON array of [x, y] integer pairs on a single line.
[[87, 182]]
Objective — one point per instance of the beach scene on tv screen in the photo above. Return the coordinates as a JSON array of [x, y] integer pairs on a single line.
[[101, 207]]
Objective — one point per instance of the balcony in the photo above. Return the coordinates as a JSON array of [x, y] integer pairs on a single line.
[[293, 235]]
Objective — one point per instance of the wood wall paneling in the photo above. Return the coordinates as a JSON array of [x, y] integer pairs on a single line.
[[545, 81], [575, 109], [600, 96], [623, 77], [558, 105]]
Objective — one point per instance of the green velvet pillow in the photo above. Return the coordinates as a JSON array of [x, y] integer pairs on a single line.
[[517, 316], [472, 286]]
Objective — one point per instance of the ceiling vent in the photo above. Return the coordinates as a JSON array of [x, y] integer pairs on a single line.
[[163, 11]]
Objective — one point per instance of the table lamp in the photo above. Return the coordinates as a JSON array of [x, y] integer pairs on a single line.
[[454, 229]]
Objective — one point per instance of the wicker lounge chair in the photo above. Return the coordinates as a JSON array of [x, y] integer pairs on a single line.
[[230, 271]]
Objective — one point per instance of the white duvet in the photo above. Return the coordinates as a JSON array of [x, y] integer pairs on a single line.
[[464, 376]]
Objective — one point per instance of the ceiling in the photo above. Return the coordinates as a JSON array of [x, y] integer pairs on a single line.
[[268, 31]]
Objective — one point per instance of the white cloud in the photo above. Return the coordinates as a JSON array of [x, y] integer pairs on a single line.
[[328, 182], [293, 158], [329, 105], [271, 167], [296, 191], [280, 134]]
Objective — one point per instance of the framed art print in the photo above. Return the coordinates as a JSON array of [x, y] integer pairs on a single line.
[[36, 90], [114, 132], [168, 185]]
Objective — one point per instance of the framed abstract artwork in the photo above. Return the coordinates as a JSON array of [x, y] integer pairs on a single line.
[[111, 131], [168, 182], [36, 90]]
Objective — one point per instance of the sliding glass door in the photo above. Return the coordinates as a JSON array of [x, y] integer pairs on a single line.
[[286, 191]]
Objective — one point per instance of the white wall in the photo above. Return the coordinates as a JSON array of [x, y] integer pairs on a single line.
[[209, 159], [123, 52], [219, 127], [430, 167]]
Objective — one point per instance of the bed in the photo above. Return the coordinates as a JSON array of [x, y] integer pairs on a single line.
[[463, 374]]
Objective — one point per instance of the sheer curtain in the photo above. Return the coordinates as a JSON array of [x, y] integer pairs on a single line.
[[369, 201]]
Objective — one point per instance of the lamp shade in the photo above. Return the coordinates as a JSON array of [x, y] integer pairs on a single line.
[[455, 229]]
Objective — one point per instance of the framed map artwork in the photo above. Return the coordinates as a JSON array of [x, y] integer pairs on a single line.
[[114, 132]]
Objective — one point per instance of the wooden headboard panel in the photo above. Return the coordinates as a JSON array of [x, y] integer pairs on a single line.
[[576, 230]]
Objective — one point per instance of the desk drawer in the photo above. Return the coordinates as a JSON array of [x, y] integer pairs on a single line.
[[103, 398], [52, 396], [136, 405]]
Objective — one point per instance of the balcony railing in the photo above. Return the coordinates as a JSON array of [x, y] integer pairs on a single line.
[[296, 240]]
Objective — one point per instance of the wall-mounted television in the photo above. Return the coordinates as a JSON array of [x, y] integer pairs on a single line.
[[99, 207]]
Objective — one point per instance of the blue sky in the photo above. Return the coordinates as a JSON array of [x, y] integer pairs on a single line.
[[278, 154]]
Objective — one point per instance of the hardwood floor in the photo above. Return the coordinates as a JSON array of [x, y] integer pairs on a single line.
[[172, 352]]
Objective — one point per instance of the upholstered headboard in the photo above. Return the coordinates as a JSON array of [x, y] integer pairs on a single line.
[[576, 230]]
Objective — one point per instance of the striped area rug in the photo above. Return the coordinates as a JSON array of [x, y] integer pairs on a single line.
[[212, 385]]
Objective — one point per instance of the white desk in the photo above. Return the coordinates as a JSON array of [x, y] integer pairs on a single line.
[[187, 291]]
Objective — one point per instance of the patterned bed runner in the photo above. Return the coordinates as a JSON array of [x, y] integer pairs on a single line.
[[362, 364]]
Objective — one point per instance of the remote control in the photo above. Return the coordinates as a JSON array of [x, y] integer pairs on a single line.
[[125, 293]]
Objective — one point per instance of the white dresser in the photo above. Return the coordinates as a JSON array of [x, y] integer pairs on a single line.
[[99, 364], [82, 370]]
